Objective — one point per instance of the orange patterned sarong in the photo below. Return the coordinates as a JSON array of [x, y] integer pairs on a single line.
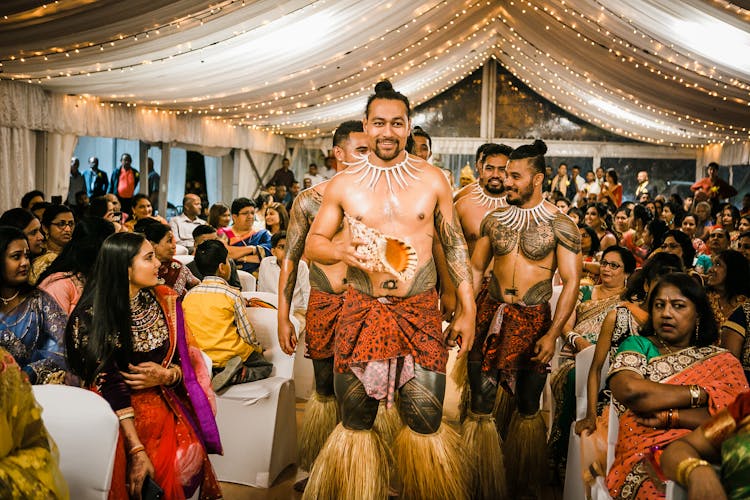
[[322, 315], [506, 335], [374, 329]]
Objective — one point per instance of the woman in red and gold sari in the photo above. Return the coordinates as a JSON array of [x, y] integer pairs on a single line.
[[671, 380], [126, 339]]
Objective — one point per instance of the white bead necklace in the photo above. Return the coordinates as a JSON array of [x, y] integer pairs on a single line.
[[370, 174], [517, 218], [484, 200]]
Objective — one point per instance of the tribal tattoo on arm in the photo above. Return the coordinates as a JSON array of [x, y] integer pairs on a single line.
[[454, 245], [303, 209]]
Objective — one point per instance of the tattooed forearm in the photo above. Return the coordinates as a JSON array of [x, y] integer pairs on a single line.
[[359, 280], [319, 280], [291, 282], [454, 246], [539, 293]]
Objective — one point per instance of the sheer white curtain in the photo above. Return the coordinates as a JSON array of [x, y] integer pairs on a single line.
[[58, 151], [17, 160]]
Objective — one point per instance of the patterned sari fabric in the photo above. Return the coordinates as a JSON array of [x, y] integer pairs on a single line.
[[175, 424], [33, 333], [322, 315], [590, 315], [28, 457], [177, 277], [506, 334], [377, 337], [714, 369]]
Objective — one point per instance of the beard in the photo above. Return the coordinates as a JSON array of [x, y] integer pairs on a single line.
[[494, 190], [523, 195], [388, 156]]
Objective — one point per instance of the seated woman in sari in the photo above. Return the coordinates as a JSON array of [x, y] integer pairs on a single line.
[[65, 277], [595, 302], [171, 272], [724, 439], [126, 339], [671, 380], [28, 458], [735, 336], [31, 322]]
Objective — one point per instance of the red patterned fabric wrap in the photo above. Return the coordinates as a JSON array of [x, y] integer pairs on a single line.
[[509, 347], [322, 315], [372, 328]]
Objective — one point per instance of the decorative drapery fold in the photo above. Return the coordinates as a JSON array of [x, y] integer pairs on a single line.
[[31, 107]]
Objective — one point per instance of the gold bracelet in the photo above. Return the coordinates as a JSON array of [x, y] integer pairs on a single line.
[[136, 449], [686, 467]]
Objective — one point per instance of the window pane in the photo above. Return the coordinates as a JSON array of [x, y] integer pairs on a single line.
[[457, 112]]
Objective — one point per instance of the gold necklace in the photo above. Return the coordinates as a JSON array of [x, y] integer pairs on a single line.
[[9, 299], [664, 345]]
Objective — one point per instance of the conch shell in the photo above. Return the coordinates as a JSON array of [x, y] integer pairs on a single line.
[[386, 253]]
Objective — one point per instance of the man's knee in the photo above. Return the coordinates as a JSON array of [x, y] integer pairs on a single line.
[[421, 401], [483, 390], [323, 369], [528, 391], [358, 410]]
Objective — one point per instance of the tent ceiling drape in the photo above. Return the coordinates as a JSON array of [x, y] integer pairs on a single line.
[[662, 71]]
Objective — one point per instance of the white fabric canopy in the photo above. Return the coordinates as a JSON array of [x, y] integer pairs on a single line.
[[662, 71]]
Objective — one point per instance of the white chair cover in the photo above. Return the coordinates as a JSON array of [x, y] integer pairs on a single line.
[[181, 250], [184, 259], [85, 429], [248, 281]]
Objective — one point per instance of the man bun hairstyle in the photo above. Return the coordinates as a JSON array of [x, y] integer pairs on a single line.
[[384, 90], [535, 152]]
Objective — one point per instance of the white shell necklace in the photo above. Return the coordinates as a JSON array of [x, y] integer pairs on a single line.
[[402, 173], [482, 199], [516, 218]]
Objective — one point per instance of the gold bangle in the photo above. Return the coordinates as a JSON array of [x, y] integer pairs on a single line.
[[686, 467], [136, 449]]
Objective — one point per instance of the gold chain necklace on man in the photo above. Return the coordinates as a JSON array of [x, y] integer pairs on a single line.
[[401, 173], [516, 218], [484, 200]]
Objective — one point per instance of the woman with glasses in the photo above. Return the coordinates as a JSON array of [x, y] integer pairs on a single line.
[[728, 284], [621, 323], [58, 224], [65, 278], [678, 243], [670, 380], [31, 322], [583, 328]]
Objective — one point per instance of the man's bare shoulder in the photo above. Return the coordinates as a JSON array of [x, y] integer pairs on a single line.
[[307, 202], [464, 191], [566, 232]]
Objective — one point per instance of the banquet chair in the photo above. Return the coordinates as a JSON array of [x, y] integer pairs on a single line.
[[599, 491], [184, 259], [247, 281], [181, 250], [85, 429], [257, 420], [574, 488]]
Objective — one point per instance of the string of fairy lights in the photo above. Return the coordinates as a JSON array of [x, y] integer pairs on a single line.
[[530, 65], [432, 57]]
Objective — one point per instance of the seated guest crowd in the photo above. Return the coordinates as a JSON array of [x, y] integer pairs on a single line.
[[100, 301]]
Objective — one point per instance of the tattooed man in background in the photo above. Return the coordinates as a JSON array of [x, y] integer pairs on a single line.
[[389, 336], [327, 283], [529, 240]]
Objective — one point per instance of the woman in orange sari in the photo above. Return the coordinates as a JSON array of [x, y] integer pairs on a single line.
[[671, 380], [126, 339]]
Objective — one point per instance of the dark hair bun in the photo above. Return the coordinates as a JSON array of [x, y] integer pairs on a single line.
[[540, 146], [383, 86]]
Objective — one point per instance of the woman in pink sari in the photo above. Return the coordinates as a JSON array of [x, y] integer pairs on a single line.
[[670, 380]]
